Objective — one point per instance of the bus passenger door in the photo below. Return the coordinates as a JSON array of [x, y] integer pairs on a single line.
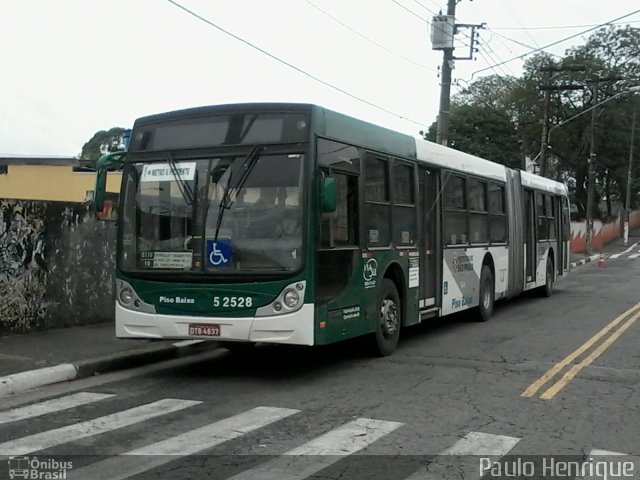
[[530, 235], [428, 247]]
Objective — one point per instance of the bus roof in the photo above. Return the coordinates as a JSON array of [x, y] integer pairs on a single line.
[[456, 160], [536, 181], [340, 126]]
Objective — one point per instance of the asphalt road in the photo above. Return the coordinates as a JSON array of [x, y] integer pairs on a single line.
[[455, 394]]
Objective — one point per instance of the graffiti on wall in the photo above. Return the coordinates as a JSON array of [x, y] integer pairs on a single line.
[[23, 269], [56, 266]]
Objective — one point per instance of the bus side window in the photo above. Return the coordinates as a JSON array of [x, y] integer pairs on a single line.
[[340, 228], [478, 217], [549, 208], [404, 209], [377, 203], [497, 214], [455, 218], [542, 219]]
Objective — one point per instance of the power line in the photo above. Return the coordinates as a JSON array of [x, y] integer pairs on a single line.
[[517, 42], [410, 11], [557, 42], [495, 57], [425, 7], [491, 59], [513, 14], [560, 27], [348, 27], [290, 65]]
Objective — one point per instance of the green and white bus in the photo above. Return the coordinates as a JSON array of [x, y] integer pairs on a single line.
[[294, 224]]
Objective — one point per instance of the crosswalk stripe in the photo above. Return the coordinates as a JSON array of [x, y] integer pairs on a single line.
[[58, 436], [479, 444], [635, 255], [156, 454], [616, 255], [51, 406], [485, 444], [611, 467], [321, 452], [596, 452]]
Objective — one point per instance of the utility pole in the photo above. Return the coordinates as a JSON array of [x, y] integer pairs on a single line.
[[547, 89], [592, 158], [443, 30], [442, 134], [545, 128], [590, 175], [629, 175]]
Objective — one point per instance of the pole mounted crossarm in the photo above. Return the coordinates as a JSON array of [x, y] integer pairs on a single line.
[[472, 37]]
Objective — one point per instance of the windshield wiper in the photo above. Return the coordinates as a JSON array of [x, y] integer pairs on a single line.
[[183, 185], [227, 201]]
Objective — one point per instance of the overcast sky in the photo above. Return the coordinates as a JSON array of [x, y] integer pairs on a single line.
[[72, 67]]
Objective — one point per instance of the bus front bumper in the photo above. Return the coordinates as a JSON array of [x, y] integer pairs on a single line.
[[292, 328]]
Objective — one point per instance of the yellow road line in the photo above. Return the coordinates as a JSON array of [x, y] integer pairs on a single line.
[[560, 384], [553, 371]]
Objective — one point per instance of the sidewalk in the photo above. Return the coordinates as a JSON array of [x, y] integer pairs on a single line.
[[32, 360], [616, 246]]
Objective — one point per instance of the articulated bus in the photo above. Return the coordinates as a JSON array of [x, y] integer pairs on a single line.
[[295, 224]]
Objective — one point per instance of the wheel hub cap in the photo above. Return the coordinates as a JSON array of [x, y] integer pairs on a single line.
[[389, 316]]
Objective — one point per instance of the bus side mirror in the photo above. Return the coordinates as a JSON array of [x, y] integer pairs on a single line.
[[328, 194], [104, 210]]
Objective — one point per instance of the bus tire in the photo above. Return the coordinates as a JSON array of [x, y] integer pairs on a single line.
[[388, 321], [487, 295], [547, 290]]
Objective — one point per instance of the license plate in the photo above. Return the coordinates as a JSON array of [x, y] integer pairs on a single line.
[[204, 329]]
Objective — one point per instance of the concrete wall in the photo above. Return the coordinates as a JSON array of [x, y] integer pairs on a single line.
[[56, 266], [603, 233]]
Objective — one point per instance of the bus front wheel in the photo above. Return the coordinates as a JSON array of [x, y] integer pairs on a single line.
[[487, 294], [389, 319]]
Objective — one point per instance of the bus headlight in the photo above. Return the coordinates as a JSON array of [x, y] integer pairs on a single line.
[[126, 296], [291, 298]]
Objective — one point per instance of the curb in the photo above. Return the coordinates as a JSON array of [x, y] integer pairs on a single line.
[[585, 260], [28, 380]]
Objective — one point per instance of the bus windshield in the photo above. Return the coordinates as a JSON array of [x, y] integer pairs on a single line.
[[192, 215]]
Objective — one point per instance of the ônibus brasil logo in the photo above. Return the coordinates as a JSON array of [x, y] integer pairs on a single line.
[[34, 468]]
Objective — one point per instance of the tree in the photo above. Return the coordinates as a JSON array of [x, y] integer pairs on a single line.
[[483, 131], [500, 118], [103, 141]]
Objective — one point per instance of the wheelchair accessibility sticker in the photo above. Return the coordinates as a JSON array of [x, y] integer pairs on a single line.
[[219, 254]]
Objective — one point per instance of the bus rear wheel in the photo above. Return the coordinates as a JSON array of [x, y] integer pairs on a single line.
[[547, 290], [487, 294], [389, 319]]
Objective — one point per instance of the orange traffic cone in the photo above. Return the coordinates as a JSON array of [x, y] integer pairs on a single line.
[[601, 262]]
